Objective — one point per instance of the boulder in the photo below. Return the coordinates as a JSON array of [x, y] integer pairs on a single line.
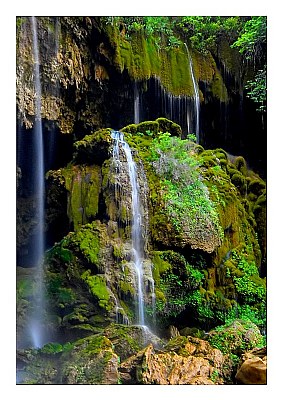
[[252, 370]]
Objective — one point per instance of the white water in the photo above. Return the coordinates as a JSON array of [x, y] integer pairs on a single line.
[[136, 104], [136, 232], [196, 96], [38, 176]]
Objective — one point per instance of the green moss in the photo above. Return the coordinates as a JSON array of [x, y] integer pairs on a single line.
[[58, 294], [236, 337], [256, 186], [89, 245], [239, 181], [132, 128], [83, 184], [143, 58], [151, 127], [94, 148], [98, 287], [165, 125], [241, 165]]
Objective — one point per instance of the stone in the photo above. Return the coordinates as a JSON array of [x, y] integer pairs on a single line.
[[185, 361], [252, 370]]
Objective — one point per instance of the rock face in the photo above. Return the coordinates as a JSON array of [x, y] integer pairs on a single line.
[[253, 368], [186, 361]]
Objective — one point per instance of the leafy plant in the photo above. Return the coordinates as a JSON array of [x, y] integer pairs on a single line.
[[256, 89], [186, 197]]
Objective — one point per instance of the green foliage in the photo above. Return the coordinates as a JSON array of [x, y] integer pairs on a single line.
[[252, 37], [161, 28], [203, 32], [252, 44], [60, 253], [256, 89], [186, 197], [236, 337], [55, 348], [174, 278], [249, 286], [192, 137]]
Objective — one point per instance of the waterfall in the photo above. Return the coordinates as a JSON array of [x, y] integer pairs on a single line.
[[136, 225], [39, 189], [196, 96], [136, 104]]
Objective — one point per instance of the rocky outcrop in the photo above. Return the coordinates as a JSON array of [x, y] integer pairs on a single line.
[[253, 368], [185, 361]]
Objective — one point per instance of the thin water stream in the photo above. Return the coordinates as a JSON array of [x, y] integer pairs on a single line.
[[36, 330]]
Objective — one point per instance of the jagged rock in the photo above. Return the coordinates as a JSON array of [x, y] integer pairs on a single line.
[[252, 370], [185, 361]]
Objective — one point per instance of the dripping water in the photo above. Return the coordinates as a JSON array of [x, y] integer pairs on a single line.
[[196, 95]]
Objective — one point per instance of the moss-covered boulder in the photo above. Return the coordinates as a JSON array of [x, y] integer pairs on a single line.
[[92, 361], [94, 148], [236, 337], [87, 361]]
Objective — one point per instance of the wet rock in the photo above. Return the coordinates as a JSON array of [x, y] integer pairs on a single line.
[[252, 370]]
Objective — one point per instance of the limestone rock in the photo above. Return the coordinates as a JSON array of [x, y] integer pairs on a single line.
[[192, 362], [253, 368]]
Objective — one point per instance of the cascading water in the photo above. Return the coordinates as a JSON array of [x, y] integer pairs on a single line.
[[35, 328], [136, 104], [196, 95], [136, 225]]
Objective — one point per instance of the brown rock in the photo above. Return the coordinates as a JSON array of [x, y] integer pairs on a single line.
[[253, 369], [169, 368]]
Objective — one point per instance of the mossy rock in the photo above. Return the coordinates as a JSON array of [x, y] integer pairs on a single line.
[[236, 337], [165, 125], [199, 149], [256, 186], [239, 181], [83, 184], [132, 128], [87, 242], [87, 361], [94, 148], [126, 340], [241, 165], [208, 160], [148, 127], [92, 361]]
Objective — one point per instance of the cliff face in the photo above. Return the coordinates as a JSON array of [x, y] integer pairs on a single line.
[[203, 210], [89, 72], [201, 214]]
